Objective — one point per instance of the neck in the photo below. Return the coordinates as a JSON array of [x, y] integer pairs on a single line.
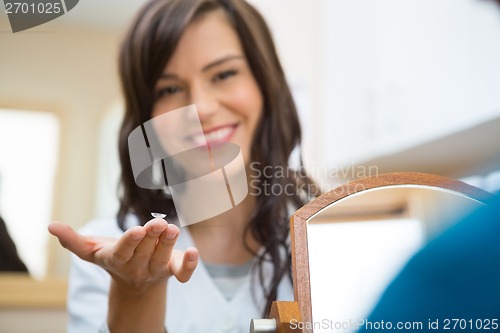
[[220, 239]]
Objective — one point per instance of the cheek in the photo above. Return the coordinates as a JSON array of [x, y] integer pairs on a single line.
[[170, 103], [168, 129], [246, 100], [163, 122]]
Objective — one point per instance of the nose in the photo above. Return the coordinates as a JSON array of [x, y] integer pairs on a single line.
[[206, 102]]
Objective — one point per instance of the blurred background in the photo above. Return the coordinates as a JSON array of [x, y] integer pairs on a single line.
[[381, 86]]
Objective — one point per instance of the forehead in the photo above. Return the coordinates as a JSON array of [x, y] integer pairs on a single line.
[[209, 38]]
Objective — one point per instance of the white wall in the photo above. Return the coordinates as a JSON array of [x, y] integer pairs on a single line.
[[376, 77], [382, 76], [72, 73]]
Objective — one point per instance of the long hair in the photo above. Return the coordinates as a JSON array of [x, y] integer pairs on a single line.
[[144, 54]]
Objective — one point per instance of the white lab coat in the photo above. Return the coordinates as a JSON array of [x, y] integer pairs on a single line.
[[196, 306]]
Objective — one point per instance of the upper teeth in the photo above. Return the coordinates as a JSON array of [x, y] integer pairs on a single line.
[[218, 135]]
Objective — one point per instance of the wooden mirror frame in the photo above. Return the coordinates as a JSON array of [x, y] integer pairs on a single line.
[[298, 229]]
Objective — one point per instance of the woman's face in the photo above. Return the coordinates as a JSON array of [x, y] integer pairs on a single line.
[[209, 69]]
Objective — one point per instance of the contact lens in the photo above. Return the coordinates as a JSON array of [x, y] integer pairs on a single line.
[[158, 215]]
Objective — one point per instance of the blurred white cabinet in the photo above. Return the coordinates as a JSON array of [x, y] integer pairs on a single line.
[[396, 74]]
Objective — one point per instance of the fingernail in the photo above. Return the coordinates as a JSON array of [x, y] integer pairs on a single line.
[[170, 234], [192, 256]]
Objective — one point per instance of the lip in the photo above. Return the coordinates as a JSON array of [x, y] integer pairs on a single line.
[[214, 136]]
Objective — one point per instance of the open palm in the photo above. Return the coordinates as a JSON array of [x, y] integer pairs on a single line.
[[142, 256]]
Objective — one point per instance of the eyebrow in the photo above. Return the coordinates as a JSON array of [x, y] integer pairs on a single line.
[[206, 67], [221, 61]]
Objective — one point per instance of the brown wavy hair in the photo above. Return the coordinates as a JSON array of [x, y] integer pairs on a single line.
[[145, 51]]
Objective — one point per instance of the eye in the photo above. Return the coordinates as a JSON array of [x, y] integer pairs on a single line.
[[224, 75], [166, 91]]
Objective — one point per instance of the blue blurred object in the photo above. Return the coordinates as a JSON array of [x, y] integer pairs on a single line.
[[452, 284]]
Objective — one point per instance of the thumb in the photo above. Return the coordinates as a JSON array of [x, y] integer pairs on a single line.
[[182, 267], [71, 240]]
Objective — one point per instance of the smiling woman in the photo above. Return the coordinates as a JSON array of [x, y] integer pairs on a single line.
[[219, 56]]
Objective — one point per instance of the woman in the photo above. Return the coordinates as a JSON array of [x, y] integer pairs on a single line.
[[218, 55]]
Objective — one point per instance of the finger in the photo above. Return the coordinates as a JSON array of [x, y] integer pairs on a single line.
[[127, 244], [183, 269], [84, 247], [154, 228], [163, 251]]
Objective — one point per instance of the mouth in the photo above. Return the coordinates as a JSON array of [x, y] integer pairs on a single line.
[[214, 136]]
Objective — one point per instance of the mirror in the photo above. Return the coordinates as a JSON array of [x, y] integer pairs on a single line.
[[369, 236], [348, 244]]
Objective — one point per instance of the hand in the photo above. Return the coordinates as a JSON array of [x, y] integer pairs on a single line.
[[141, 257]]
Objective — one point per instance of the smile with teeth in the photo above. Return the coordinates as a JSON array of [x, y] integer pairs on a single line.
[[215, 136]]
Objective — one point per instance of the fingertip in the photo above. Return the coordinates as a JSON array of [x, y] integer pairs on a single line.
[[64, 233], [188, 266], [52, 226], [156, 220], [55, 228], [171, 232], [192, 257], [192, 249], [136, 233], [157, 226], [174, 227], [191, 254]]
